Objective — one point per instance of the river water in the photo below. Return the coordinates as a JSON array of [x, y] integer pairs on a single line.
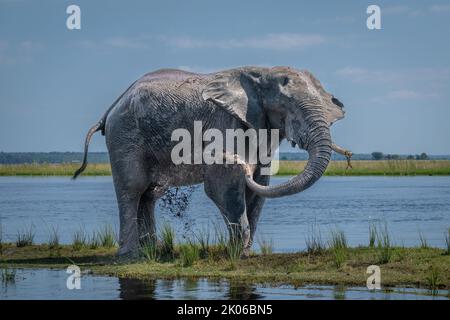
[[410, 206]]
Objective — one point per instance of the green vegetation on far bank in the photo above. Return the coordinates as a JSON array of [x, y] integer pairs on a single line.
[[335, 168], [50, 169], [374, 168]]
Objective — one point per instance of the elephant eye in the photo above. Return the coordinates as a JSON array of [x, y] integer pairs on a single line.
[[284, 81]]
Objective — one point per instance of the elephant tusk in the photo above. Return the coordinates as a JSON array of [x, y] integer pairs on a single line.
[[234, 159], [347, 153]]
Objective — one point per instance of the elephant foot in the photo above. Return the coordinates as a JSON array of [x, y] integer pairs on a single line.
[[125, 253], [245, 253]]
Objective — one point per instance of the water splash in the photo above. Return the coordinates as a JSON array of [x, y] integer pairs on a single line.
[[175, 202]]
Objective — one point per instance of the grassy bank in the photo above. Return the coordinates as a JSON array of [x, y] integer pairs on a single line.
[[335, 168], [418, 267], [213, 256], [374, 168], [46, 169]]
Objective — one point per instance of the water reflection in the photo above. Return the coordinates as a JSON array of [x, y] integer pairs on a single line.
[[243, 291], [51, 284], [137, 289], [339, 292], [151, 289]]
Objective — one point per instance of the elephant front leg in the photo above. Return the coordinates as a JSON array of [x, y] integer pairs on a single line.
[[255, 204], [239, 231], [226, 188]]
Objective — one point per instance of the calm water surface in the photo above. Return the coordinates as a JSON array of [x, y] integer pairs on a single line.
[[409, 205]]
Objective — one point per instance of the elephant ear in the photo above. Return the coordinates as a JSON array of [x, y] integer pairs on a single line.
[[236, 92]]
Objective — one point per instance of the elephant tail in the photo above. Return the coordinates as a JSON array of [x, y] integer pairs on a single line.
[[98, 126]]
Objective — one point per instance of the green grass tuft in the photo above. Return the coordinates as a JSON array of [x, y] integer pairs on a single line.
[[235, 246], [79, 239], [447, 242], [25, 237], [94, 240], [189, 253], [203, 238], [107, 237], [384, 245], [1, 238], [167, 248], [423, 241], [433, 280], [314, 242], [338, 245], [220, 237], [53, 238], [149, 251], [265, 245], [372, 235]]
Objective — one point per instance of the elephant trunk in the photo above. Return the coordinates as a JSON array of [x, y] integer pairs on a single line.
[[319, 150]]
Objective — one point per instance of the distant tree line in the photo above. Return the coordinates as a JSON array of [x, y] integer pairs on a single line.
[[102, 157], [51, 157], [377, 155]]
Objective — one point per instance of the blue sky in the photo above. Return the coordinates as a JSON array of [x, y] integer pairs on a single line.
[[394, 82]]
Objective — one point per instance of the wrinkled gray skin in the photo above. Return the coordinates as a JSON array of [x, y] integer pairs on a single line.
[[138, 129]]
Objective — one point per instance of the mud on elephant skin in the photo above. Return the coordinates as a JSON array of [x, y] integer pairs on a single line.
[[139, 124]]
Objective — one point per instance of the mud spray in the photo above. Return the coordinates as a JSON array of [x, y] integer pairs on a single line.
[[174, 204]]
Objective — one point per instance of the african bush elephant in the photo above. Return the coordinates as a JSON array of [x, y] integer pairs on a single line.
[[139, 124]]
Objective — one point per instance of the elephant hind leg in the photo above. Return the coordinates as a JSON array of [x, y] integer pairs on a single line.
[[130, 182], [128, 236]]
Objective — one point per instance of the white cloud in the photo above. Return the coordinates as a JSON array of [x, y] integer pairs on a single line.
[[273, 41], [440, 8], [28, 46], [3, 45], [400, 10], [336, 19], [19, 52], [395, 9], [411, 85], [414, 12], [405, 96], [410, 95], [120, 42], [358, 73], [399, 76]]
